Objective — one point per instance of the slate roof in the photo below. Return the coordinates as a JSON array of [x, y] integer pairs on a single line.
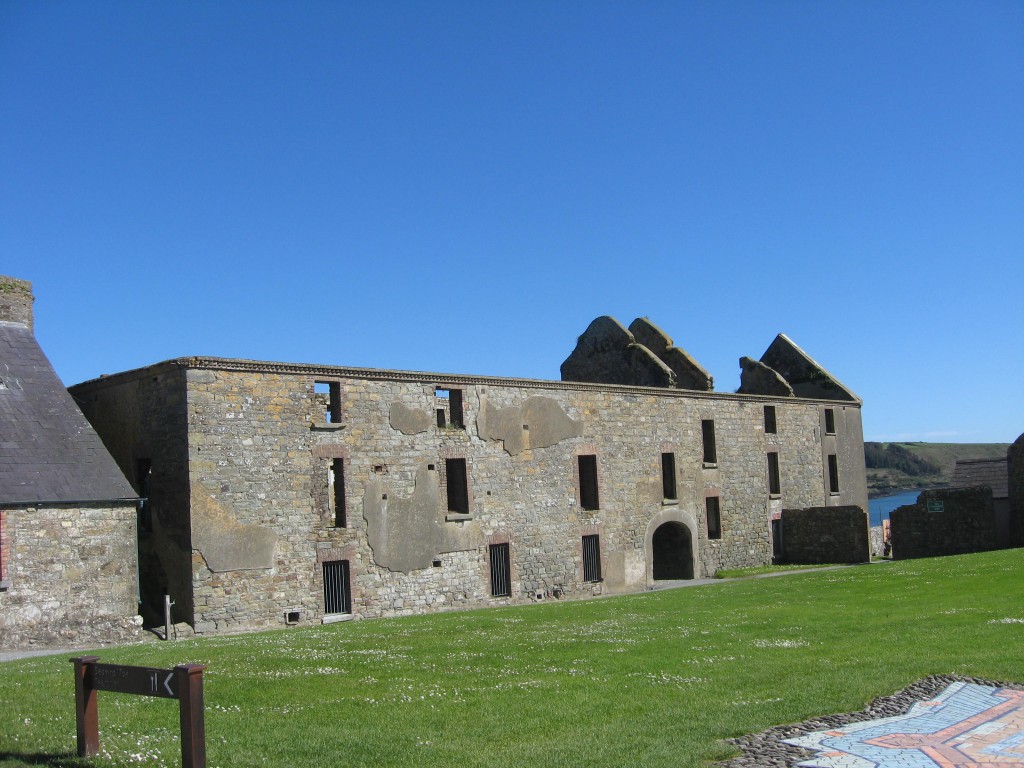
[[969, 473], [48, 451]]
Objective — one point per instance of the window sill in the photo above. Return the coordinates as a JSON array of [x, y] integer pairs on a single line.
[[455, 517], [834, 493], [774, 495], [710, 465], [669, 502], [5, 585], [326, 426], [334, 618]]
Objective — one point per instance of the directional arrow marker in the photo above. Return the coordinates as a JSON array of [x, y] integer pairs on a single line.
[[167, 684]]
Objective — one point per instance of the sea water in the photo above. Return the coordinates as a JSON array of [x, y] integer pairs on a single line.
[[879, 509]]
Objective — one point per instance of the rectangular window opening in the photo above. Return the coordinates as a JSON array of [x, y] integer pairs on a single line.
[[457, 485], [501, 570], [707, 430], [589, 498], [770, 427], [337, 597], [774, 481], [336, 492], [331, 392], [668, 476], [592, 558], [454, 411], [714, 517], [830, 421], [833, 473]]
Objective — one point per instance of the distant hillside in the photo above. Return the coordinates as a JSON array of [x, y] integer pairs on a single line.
[[892, 466]]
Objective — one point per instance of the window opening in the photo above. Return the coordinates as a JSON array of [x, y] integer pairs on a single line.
[[587, 464], [592, 558], [668, 476], [331, 390], [457, 485], [143, 473], [769, 420], [337, 597], [336, 482], [454, 410], [501, 570], [833, 473], [707, 429], [830, 421], [774, 481], [714, 517]]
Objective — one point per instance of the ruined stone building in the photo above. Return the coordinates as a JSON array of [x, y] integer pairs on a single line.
[[67, 513], [289, 494]]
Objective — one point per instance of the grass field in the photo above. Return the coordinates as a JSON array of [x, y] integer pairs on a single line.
[[656, 679]]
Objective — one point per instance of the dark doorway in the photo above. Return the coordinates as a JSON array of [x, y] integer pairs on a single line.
[[673, 556]]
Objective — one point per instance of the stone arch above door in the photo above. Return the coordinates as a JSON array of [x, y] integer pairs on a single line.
[[678, 516]]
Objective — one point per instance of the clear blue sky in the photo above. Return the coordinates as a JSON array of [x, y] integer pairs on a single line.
[[463, 186]]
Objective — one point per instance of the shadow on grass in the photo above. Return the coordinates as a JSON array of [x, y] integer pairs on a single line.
[[55, 760]]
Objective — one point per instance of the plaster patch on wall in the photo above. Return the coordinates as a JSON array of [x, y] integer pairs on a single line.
[[407, 534], [538, 423], [224, 542], [408, 421]]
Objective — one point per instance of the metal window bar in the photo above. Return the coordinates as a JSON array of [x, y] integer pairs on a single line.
[[337, 598], [592, 558], [501, 576]]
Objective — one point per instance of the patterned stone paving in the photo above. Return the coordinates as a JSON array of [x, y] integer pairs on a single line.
[[965, 725]]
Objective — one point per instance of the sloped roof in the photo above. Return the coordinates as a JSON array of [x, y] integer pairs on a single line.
[[969, 473], [48, 451]]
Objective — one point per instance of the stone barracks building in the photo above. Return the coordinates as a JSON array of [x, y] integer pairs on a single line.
[[67, 513], [290, 494]]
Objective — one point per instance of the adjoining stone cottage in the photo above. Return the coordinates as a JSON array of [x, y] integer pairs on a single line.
[[67, 513], [286, 494]]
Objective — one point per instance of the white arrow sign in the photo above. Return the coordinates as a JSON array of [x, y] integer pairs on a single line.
[[167, 684]]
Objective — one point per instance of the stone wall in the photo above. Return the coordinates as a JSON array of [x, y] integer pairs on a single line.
[[144, 424], [260, 450], [825, 535], [960, 520], [69, 576], [1015, 478]]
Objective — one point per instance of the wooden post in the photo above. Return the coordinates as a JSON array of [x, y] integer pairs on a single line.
[[189, 679], [87, 719]]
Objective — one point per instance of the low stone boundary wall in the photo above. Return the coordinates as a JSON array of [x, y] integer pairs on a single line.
[[825, 535], [951, 521]]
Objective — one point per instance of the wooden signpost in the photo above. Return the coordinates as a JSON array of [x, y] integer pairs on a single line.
[[184, 683]]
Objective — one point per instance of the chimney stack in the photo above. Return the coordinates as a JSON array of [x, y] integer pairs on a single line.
[[16, 301]]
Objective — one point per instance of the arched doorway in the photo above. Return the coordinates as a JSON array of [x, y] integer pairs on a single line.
[[672, 552]]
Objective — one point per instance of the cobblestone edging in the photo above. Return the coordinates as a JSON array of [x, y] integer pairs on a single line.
[[766, 749]]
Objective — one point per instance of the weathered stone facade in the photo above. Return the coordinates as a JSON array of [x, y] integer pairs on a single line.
[[70, 575], [261, 486], [818, 535]]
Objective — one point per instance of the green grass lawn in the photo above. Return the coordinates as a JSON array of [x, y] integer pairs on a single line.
[[657, 679]]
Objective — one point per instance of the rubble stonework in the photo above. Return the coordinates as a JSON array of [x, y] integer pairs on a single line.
[[1015, 491], [818, 535], [949, 521], [247, 439]]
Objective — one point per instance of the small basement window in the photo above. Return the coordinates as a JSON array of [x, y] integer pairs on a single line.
[[501, 570], [337, 596], [592, 558]]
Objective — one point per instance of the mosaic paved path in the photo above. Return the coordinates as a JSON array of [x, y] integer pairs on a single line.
[[966, 725]]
